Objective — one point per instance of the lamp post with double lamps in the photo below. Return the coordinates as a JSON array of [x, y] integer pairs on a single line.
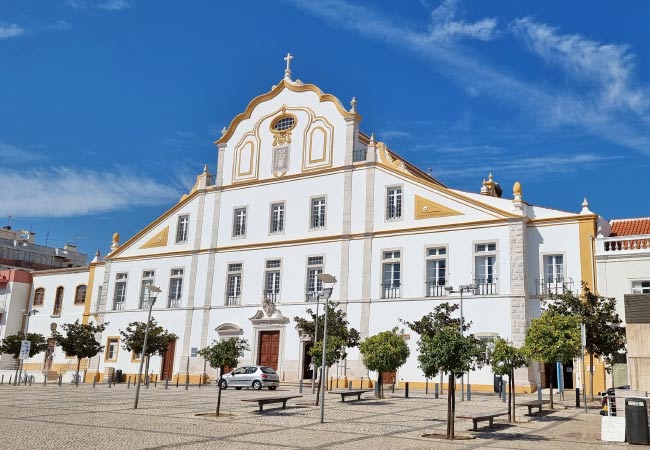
[[153, 292], [461, 289], [328, 285]]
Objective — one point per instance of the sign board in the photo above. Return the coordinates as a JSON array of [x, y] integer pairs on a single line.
[[25, 347]]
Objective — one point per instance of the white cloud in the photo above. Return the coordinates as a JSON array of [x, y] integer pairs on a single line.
[[107, 5], [59, 25], [393, 134], [10, 154], [10, 30], [444, 27], [67, 192], [114, 5]]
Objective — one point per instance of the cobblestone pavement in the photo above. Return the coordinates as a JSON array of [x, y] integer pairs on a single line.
[[53, 417]]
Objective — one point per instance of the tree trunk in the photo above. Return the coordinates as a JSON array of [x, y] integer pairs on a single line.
[[219, 391], [453, 405], [552, 377], [76, 376], [380, 386], [146, 371], [320, 380], [591, 378], [509, 398], [512, 390]]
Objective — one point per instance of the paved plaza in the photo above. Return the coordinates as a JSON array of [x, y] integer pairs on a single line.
[[53, 417]]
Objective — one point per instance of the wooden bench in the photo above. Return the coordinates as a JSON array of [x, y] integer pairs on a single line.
[[482, 416], [261, 401], [533, 404], [351, 393]]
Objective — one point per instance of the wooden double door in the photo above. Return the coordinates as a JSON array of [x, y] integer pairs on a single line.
[[167, 371], [269, 349]]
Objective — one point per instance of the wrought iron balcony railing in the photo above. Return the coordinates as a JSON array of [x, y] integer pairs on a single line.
[[435, 288], [486, 286], [391, 290], [553, 286]]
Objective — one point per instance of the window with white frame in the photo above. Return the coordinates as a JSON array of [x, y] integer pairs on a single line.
[[641, 287], [233, 295], [317, 213], [485, 258], [277, 218], [436, 262], [182, 229], [112, 347], [391, 273], [394, 203], [554, 268], [147, 280], [272, 280], [239, 222], [175, 288], [58, 301], [119, 296], [314, 268]]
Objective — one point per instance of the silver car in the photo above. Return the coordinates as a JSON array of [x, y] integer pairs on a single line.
[[256, 377]]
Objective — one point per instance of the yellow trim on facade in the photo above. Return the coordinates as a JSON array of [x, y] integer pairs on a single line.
[[108, 342], [428, 209], [89, 294], [587, 231], [159, 240]]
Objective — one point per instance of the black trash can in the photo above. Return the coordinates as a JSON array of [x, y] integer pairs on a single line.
[[497, 383], [118, 376], [636, 421]]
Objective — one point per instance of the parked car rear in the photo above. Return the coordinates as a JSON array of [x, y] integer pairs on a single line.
[[255, 377]]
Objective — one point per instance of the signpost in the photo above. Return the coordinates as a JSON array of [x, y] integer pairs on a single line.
[[583, 341], [25, 347]]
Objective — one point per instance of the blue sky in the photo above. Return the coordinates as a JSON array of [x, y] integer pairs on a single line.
[[108, 108]]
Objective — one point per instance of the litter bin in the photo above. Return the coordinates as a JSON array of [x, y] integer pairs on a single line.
[[636, 421], [497, 384], [118, 376]]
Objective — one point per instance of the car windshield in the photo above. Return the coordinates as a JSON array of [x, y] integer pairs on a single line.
[[267, 370]]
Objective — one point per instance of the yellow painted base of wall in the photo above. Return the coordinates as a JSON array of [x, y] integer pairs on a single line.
[[342, 383], [182, 378]]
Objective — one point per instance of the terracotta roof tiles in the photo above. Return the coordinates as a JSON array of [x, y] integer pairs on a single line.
[[630, 227]]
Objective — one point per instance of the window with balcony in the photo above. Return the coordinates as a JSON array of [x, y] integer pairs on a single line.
[[147, 280], [233, 294], [277, 218], [239, 223], [182, 229], [391, 274], [553, 281], [436, 261], [58, 302], [80, 294], [317, 220], [175, 288], [641, 287], [272, 280], [394, 203], [314, 285], [485, 257], [39, 297]]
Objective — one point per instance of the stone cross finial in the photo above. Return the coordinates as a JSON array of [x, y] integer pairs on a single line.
[[287, 71]]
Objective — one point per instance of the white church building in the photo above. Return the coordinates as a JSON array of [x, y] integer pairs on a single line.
[[299, 190]]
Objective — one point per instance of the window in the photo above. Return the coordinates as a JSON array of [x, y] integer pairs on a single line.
[[147, 280], [436, 271], [175, 288], [119, 296], [80, 294], [233, 296], [39, 296], [283, 123], [641, 287], [394, 203], [485, 268], [314, 268], [272, 280], [112, 346], [317, 213], [391, 274], [135, 357], [277, 218], [182, 229], [553, 268], [239, 223], [58, 302]]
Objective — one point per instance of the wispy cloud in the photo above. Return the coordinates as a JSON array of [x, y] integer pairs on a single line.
[[59, 25], [67, 192], [393, 134], [445, 26], [10, 154], [10, 30], [107, 5]]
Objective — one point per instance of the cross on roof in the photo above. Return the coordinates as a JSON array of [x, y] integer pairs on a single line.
[[287, 71]]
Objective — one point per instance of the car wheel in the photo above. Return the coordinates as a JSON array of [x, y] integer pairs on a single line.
[[238, 388], [257, 385], [223, 384], [272, 388]]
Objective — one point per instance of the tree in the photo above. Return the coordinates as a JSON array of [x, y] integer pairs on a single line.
[[552, 338], [80, 340], [222, 354], [605, 335], [157, 341], [450, 352], [11, 344], [505, 359], [384, 352]]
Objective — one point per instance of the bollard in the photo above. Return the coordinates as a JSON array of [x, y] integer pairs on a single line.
[[128, 382], [349, 385], [577, 397], [376, 389], [9, 380], [30, 380], [503, 392], [406, 390], [177, 378], [155, 381], [361, 382], [300, 387], [331, 381], [435, 386], [539, 391], [166, 383], [60, 380], [45, 380], [94, 380], [2, 381], [393, 388], [469, 392], [187, 381], [426, 385]]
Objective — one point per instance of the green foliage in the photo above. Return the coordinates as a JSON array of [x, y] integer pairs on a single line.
[[11, 344], [80, 339], [339, 336], [605, 335], [436, 320], [554, 337], [225, 353], [505, 358], [450, 352], [384, 352], [157, 342]]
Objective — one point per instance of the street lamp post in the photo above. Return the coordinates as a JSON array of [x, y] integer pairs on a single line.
[[328, 285], [26, 314], [153, 294], [461, 289], [313, 361]]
